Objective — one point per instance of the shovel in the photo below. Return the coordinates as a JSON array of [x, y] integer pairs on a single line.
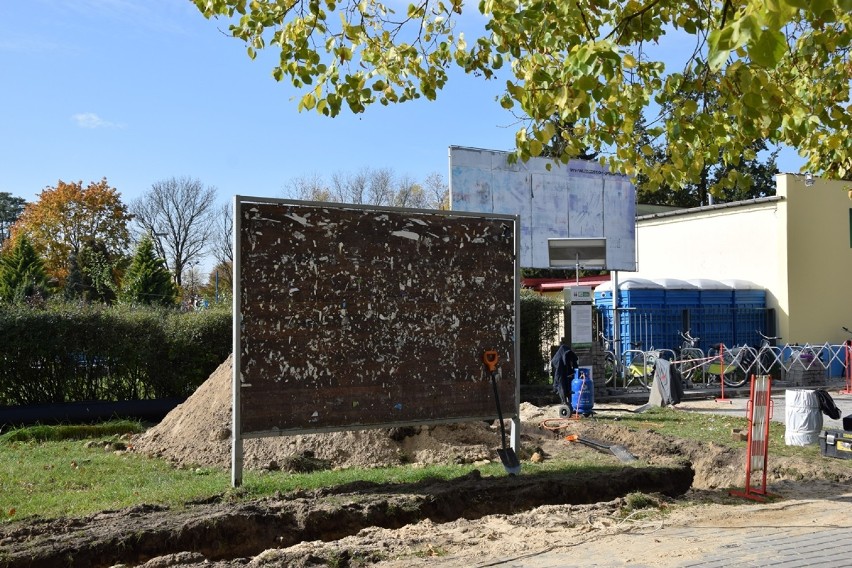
[[618, 451], [507, 455]]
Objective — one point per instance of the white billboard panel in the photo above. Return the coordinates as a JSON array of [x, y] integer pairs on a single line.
[[580, 199]]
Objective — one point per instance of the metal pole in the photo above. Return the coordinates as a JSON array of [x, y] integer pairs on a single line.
[[616, 318], [577, 269], [515, 433], [236, 419]]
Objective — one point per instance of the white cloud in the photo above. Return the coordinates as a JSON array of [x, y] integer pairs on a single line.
[[92, 120]]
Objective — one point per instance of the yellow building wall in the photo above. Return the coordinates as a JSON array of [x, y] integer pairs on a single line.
[[797, 248], [819, 259]]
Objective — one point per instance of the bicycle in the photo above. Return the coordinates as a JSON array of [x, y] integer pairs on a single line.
[[690, 358], [638, 371], [726, 365], [768, 356]]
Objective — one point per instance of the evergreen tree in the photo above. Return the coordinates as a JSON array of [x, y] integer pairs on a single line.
[[10, 209], [147, 281], [101, 270], [22, 273], [74, 285]]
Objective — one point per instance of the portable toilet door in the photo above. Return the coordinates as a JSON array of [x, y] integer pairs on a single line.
[[643, 301], [680, 295], [716, 311], [749, 305]]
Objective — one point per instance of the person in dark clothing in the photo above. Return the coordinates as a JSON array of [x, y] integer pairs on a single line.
[[562, 365]]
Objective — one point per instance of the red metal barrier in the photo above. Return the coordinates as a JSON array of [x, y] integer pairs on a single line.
[[760, 409], [722, 374], [848, 389]]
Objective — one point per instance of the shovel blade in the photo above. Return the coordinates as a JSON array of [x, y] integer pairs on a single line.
[[510, 461], [618, 451], [622, 454]]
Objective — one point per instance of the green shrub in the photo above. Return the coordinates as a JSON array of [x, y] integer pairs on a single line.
[[539, 325], [68, 352]]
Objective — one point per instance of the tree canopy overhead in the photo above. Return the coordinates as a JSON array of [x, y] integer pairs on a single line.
[[779, 70]]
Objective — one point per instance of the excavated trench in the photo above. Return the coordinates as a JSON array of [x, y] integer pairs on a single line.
[[225, 530]]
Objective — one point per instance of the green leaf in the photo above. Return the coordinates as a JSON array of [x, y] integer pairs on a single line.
[[536, 148], [720, 42], [820, 7], [308, 102], [798, 4], [586, 83], [769, 49]]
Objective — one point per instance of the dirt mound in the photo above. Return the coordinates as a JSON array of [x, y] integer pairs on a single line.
[[198, 433]]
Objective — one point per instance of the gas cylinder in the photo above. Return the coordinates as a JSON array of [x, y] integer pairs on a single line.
[[582, 392]]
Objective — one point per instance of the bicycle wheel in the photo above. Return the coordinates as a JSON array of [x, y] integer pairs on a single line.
[[735, 376], [610, 369], [689, 366]]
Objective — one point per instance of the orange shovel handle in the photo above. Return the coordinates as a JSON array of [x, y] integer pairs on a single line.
[[491, 359]]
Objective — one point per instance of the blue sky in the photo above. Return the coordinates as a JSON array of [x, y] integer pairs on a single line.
[[139, 91]]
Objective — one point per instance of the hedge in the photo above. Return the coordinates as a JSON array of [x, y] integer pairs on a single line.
[[71, 353], [540, 321]]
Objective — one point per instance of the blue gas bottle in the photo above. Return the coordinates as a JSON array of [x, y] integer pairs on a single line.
[[582, 391]]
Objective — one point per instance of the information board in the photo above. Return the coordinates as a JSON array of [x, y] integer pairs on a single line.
[[349, 317]]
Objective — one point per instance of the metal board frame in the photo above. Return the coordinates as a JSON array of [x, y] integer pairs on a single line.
[[580, 199], [263, 226]]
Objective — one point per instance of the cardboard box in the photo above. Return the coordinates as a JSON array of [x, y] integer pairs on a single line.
[[836, 444]]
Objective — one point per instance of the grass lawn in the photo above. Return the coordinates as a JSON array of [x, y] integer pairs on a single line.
[[55, 471]]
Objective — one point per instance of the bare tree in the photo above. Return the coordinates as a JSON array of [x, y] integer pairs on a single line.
[[178, 213], [408, 194], [223, 240], [308, 188], [436, 191], [221, 277], [350, 188], [381, 187], [373, 187]]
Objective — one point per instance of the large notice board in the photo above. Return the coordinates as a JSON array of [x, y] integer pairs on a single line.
[[349, 316]]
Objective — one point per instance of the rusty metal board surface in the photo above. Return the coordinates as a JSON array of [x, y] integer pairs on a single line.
[[362, 317]]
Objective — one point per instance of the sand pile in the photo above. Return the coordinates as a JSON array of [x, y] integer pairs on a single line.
[[198, 433]]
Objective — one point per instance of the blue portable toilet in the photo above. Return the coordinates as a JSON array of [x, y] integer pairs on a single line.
[[713, 293], [716, 312], [680, 295], [637, 298], [749, 302]]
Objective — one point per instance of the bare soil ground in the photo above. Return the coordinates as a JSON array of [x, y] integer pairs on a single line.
[[464, 522]]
